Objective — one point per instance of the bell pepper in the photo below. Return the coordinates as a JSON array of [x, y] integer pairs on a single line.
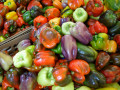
[[60, 76], [33, 3], [70, 86], [39, 21], [97, 27], [58, 28], [5, 84], [27, 17], [32, 34], [117, 39], [2, 38], [99, 41], [91, 22], [108, 18], [73, 4], [80, 15], [81, 33], [47, 2], [66, 12], [55, 21], [113, 85], [110, 46], [94, 7], [22, 59], [35, 11], [112, 73], [66, 27], [61, 62], [13, 77], [10, 26], [3, 10], [102, 60], [45, 58], [20, 21], [52, 13], [115, 29], [11, 15], [83, 88], [47, 7], [23, 2], [57, 4], [6, 34], [95, 79], [49, 37], [69, 47], [1, 22], [112, 4], [115, 59], [86, 53], [45, 77], [30, 49], [5, 61], [11, 4], [107, 88], [21, 10], [57, 49], [28, 81]]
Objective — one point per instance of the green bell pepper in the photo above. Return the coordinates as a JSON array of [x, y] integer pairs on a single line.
[[47, 7], [10, 88], [83, 88], [80, 15], [114, 85], [27, 17], [58, 28], [45, 77], [112, 4], [86, 53], [66, 12], [30, 49], [108, 18], [57, 49], [2, 38], [95, 79], [22, 59], [70, 86], [98, 42], [115, 29]]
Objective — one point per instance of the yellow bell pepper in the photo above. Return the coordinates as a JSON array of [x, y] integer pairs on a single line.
[[11, 4], [55, 21], [107, 88], [12, 15]]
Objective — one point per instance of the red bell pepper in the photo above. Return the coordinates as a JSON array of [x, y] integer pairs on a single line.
[[97, 27], [45, 58], [61, 63], [101, 60], [20, 21], [21, 10], [91, 22], [39, 21], [73, 4], [33, 3], [117, 39], [47, 2], [52, 13], [3, 10], [32, 34], [112, 73], [94, 7]]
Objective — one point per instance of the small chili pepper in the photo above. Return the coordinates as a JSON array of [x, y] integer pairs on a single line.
[[11, 4], [20, 21], [21, 10], [52, 13], [94, 7], [47, 2], [3, 10], [11, 15], [39, 21], [97, 27]]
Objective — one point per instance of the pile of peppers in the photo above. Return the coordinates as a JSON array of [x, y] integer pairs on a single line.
[[73, 45]]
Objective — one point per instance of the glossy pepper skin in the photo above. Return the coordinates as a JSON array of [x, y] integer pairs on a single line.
[[95, 79], [11, 4], [57, 49], [115, 59], [39, 21], [11, 15], [73, 4], [45, 58], [108, 18], [54, 22], [117, 39], [20, 21], [94, 7], [58, 28], [49, 37], [115, 29], [112, 73], [3, 10], [52, 13], [21, 10], [47, 7], [23, 2], [58, 4], [86, 53], [102, 60], [97, 27], [27, 17], [10, 26], [47, 2], [98, 42], [5, 84], [33, 37]]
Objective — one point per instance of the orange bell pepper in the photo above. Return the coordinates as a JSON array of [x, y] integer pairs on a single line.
[[57, 4]]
